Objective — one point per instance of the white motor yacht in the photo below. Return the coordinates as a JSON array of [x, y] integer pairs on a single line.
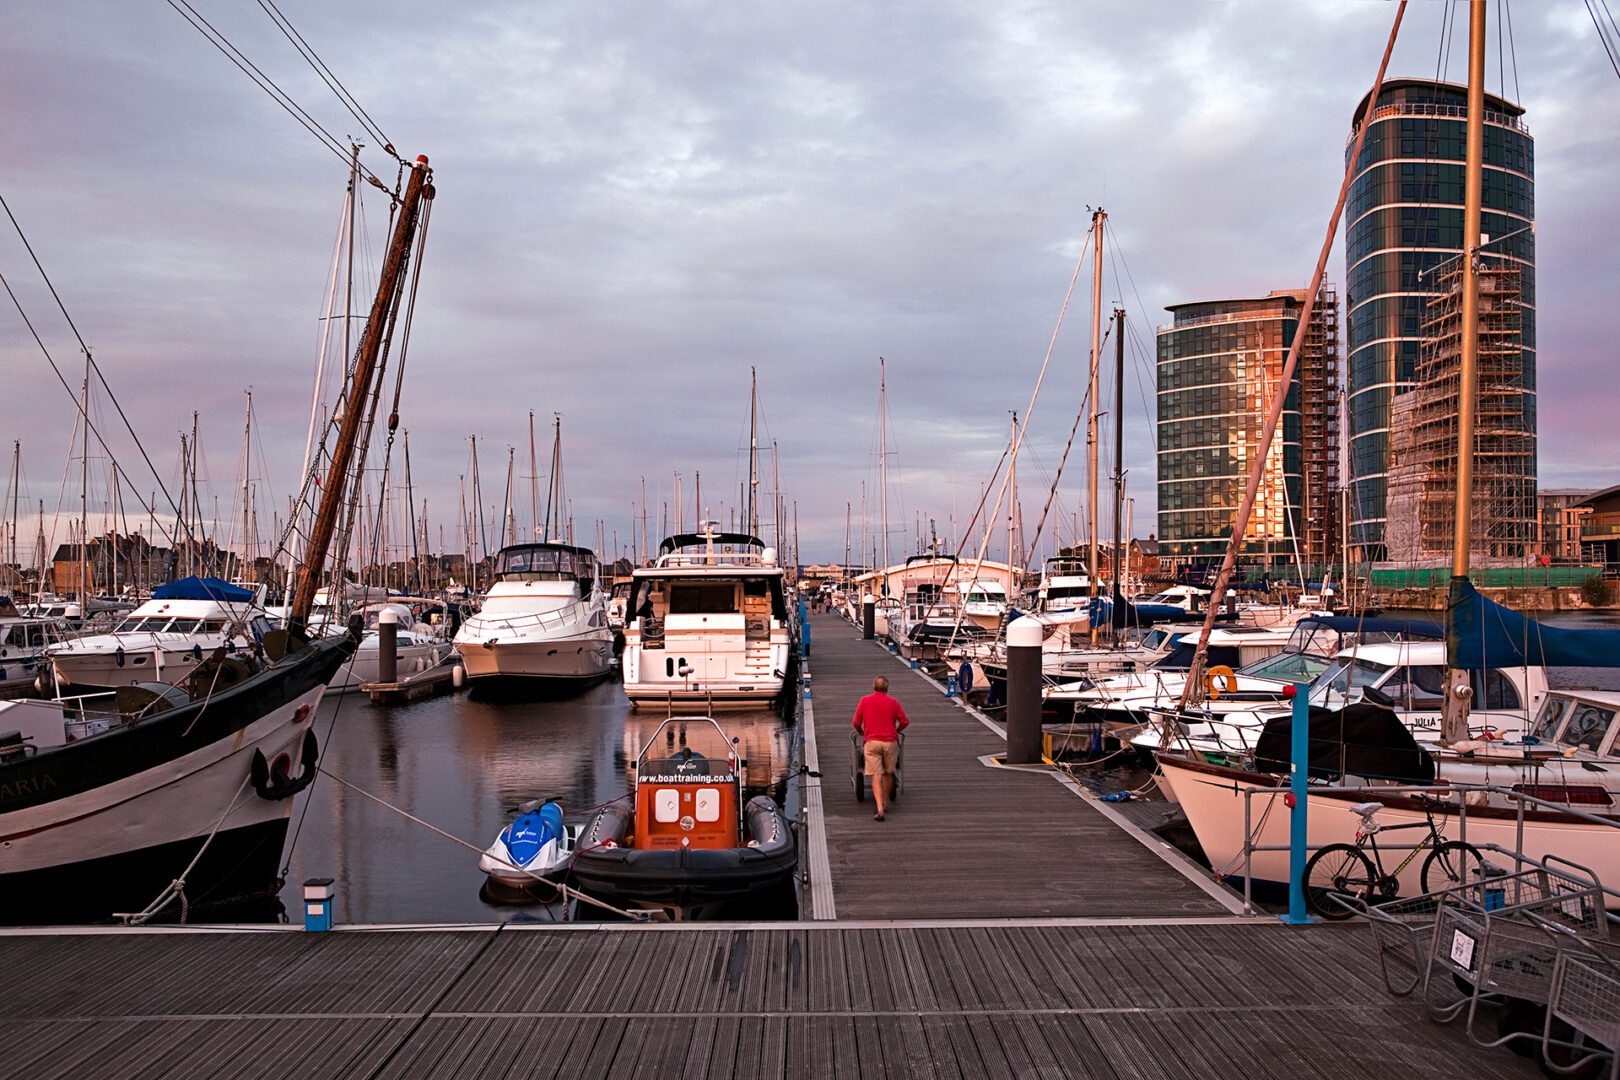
[[544, 621], [708, 623], [166, 638]]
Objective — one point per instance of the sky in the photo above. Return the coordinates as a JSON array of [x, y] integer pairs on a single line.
[[637, 203]]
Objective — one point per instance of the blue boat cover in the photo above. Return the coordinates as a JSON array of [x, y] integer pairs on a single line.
[[1483, 633], [203, 588], [1357, 624], [1132, 614]]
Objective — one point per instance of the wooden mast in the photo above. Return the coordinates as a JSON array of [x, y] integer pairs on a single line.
[[1240, 525], [1454, 710], [365, 367], [1121, 557]]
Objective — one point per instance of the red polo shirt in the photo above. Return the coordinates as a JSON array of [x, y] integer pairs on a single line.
[[880, 718]]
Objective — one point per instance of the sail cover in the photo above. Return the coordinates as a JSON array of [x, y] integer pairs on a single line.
[[203, 588], [1363, 739], [1483, 633]]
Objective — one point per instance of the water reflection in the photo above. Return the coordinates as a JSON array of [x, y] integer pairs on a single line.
[[465, 765]]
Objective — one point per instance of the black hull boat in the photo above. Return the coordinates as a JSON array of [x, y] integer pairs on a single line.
[[684, 842], [196, 790], [687, 879]]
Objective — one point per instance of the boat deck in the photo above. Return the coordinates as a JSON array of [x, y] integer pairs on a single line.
[[1201, 1001], [967, 839]]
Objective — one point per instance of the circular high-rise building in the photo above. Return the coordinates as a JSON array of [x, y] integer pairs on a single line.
[[1403, 221]]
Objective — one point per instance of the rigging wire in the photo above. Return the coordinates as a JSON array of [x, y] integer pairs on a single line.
[[1605, 36], [327, 76], [237, 57]]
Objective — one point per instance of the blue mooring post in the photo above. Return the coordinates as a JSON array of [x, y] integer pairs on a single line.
[[804, 629], [318, 893], [1300, 761]]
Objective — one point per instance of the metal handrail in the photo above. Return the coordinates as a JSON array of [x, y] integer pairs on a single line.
[[1421, 108]]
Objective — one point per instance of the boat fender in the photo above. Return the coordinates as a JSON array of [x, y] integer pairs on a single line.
[[1219, 671], [274, 784], [118, 655], [196, 652]]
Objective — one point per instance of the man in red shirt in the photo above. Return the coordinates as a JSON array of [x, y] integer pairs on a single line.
[[880, 720]]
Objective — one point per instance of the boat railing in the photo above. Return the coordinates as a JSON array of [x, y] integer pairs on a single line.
[[537, 620], [1454, 797], [750, 560]]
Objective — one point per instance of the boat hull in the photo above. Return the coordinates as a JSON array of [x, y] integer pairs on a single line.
[[156, 787], [576, 660], [1211, 797], [687, 879]]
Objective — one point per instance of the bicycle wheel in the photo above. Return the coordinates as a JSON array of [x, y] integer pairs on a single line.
[[1338, 868], [1451, 864]]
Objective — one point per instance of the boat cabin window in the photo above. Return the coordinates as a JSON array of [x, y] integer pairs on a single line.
[[1587, 727], [1288, 667], [699, 598], [1494, 690], [535, 564], [1417, 687], [1552, 713], [1344, 675], [143, 626], [756, 587]]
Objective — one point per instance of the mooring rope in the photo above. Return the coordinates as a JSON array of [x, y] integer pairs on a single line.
[[566, 890], [177, 887]]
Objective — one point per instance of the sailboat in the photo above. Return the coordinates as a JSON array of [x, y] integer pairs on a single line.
[[1545, 815], [183, 794]]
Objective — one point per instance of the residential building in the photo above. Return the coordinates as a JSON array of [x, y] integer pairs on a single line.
[[1219, 369], [1403, 224]]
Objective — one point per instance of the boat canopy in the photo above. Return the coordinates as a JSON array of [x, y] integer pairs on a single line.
[[1483, 633], [672, 544], [1362, 739], [203, 588], [1358, 624], [564, 559]]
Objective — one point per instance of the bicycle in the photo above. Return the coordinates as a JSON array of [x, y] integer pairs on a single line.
[[1346, 868]]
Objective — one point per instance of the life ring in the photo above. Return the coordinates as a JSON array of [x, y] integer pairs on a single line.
[[1219, 671]]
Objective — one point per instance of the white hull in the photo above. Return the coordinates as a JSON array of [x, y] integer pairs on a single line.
[[564, 659], [1213, 803]]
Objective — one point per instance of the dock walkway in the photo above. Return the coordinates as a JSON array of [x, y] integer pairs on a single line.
[[1203, 1002], [967, 839]]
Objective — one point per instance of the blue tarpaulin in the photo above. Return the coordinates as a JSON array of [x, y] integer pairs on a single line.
[[1483, 633], [202, 588]]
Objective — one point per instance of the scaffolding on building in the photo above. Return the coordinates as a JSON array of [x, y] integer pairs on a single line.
[[1423, 436]]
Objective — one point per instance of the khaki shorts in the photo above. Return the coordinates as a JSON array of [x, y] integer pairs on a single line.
[[880, 757]]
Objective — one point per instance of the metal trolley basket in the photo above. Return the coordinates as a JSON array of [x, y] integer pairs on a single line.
[[1402, 933], [1504, 942], [857, 766]]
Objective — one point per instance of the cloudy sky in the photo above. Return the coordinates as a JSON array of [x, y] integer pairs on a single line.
[[639, 201]]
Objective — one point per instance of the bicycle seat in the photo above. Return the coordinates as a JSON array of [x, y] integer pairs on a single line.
[[1367, 809]]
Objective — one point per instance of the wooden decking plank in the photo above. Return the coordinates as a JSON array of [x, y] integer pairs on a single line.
[[723, 1052]]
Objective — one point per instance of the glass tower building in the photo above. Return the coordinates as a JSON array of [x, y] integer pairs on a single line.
[[1219, 370], [1403, 221]]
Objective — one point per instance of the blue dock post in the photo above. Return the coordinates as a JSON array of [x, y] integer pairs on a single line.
[[1299, 801], [804, 630], [318, 893]]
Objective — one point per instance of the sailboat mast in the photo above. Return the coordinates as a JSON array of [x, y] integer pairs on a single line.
[[883, 461], [554, 507], [534, 483], [247, 448], [1012, 501], [1454, 713], [16, 494], [1121, 557], [1099, 220], [753, 452], [84, 493], [332, 497]]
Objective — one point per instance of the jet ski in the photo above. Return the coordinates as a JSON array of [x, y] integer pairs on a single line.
[[537, 846]]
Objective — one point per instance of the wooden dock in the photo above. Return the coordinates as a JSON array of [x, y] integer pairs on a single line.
[[1199, 1001], [968, 839], [436, 680], [999, 924]]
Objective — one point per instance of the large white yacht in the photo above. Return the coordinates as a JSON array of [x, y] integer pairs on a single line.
[[166, 638], [708, 623], [544, 621]]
